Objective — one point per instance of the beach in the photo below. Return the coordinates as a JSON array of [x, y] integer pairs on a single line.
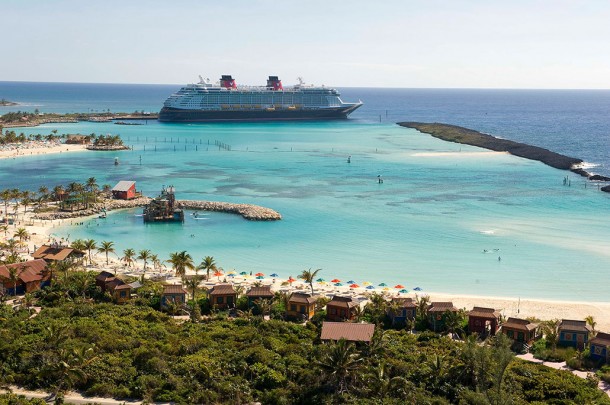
[[42, 232], [33, 148]]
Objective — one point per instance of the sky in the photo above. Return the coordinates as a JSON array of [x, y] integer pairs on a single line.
[[406, 43]]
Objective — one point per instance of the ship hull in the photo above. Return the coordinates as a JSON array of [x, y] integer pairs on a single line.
[[168, 114]]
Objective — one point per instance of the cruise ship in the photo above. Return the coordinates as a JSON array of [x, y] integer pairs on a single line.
[[224, 101]]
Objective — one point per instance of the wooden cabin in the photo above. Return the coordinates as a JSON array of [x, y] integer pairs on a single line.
[[437, 314], [57, 253], [483, 321], [124, 190], [301, 306], [520, 330], [103, 278], [341, 309], [173, 294], [352, 332], [31, 276], [120, 290], [223, 296], [401, 309], [574, 333], [259, 293], [600, 347]]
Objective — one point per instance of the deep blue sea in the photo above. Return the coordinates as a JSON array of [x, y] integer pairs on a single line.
[[448, 218]]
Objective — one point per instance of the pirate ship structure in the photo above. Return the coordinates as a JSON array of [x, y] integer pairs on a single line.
[[164, 208]]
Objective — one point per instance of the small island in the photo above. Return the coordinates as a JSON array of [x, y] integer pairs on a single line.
[[6, 103], [454, 133]]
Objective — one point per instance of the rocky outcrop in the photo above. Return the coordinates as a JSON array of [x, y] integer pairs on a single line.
[[247, 211], [606, 189], [453, 133]]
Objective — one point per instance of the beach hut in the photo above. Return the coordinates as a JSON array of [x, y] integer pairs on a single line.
[[401, 309], [31, 275], [520, 330], [259, 293], [173, 294], [57, 253], [223, 296], [301, 306], [483, 321], [437, 314], [574, 333], [352, 332], [341, 309], [103, 278], [124, 190], [600, 347]]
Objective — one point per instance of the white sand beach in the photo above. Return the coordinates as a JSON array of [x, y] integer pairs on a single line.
[[36, 148], [42, 232]]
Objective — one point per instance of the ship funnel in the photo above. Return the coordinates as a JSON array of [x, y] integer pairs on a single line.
[[228, 82], [274, 83]]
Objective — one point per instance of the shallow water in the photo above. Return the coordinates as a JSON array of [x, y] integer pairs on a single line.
[[429, 223]]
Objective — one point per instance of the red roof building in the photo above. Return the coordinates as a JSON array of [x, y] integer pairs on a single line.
[[483, 321], [352, 332], [124, 190], [341, 309], [31, 276]]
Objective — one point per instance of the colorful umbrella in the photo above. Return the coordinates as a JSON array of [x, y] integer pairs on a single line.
[[320, 280], [291, 280], [417, 289], [399, 286], [366, 283], [403, 291], [243, 273], [260, 277], [370, 287], [386, 288], [231, 272], [231, 275], [382, 285], [335, 281], [217, 273], [259, 274], [354, 286], [274, 275], [338, 285]]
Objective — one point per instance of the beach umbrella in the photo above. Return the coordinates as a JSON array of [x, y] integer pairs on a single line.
[[382, 285], [386, 288], [354, 286], [231, 272], [351, 282], [275, 275], [399, 286], [403, 291], [260, 277], [243, 273], [336, 280], [338, 285], [417, 289], [291, 280], [231, 275], [370, 287], [320, 280], [259, 274], [217, 273], [366, 283]]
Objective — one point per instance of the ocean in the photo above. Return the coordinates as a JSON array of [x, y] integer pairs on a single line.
[[447, 218]]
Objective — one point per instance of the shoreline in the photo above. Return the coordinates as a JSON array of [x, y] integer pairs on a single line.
[[461, 135], [544, 309], [36, 148]]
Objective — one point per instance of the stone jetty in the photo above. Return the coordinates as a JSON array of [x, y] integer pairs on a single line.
[[454, 133], [247, 211]]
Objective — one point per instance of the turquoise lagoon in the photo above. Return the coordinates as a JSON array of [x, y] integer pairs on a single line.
[[447, 218]]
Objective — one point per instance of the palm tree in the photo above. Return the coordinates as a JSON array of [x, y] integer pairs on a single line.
[[551, 332], [207, 264], [89, 245], [591, 322], [128, 256], [13, 275], [22, 234], [156, 262], [193, 284], [181, 261], [309, 277], [340, 361], [59, 192], [144, 255], [4, 228], [6, 196], [106, 247], [69, 368]]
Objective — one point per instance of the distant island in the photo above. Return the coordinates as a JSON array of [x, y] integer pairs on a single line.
[[32, 119], [6, 103], [454, 133]]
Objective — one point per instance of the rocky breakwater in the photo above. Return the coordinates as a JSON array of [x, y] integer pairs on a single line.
[[248, 211], [454, 133]]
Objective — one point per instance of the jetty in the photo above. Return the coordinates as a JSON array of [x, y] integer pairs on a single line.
[[454, 133], [247, 211]]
